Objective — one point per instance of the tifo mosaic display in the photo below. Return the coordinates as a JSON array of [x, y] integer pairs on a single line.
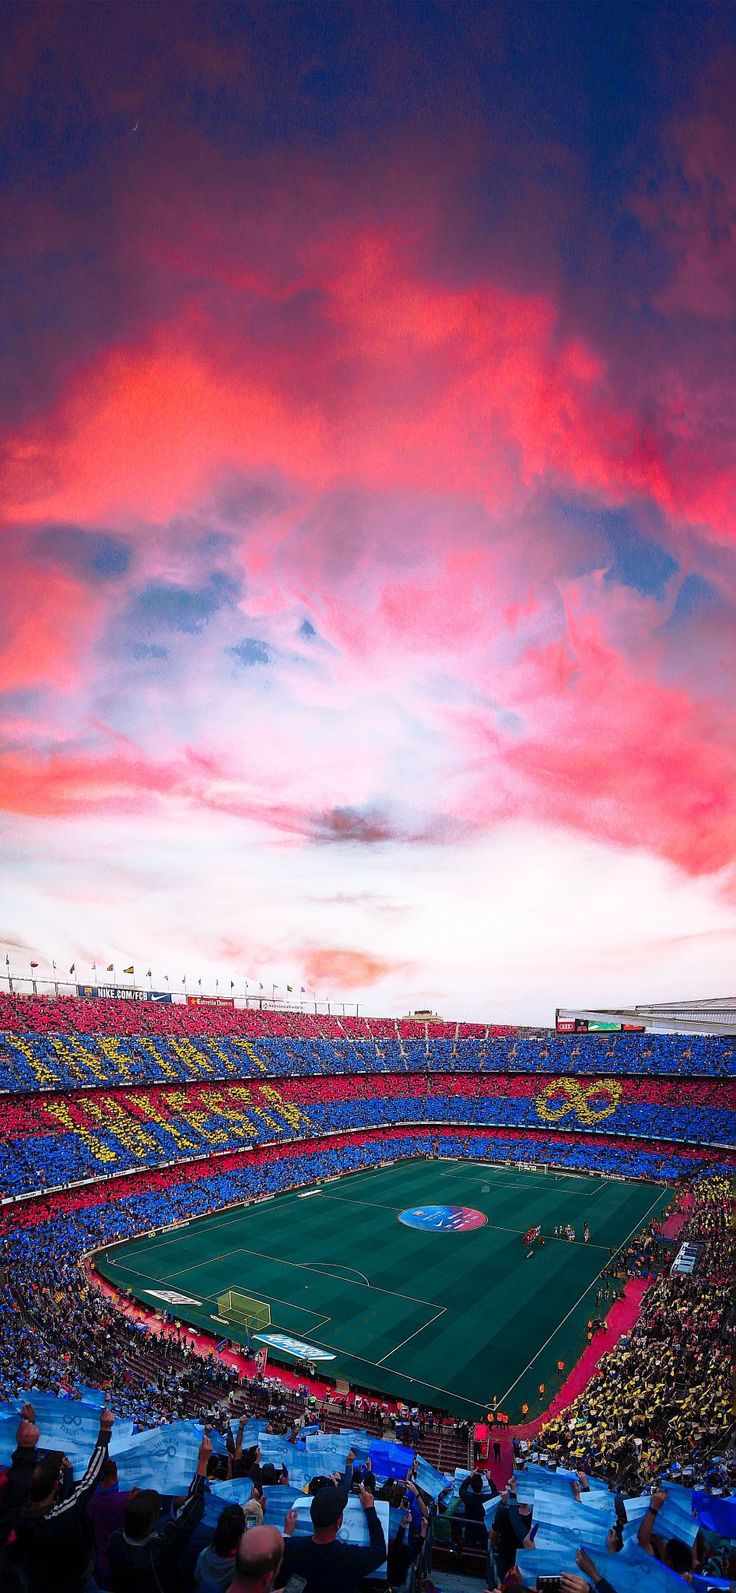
[[33, 1056], [52, 1138], [279, 1110]]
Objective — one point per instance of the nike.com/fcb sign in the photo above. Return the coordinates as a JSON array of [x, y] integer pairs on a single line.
[[443, 1219]]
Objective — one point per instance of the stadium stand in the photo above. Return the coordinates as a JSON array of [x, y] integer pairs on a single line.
[[61, 1136], [109, 1116]]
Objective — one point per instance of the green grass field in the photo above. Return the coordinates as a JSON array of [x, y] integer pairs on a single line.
[[448, 1319]]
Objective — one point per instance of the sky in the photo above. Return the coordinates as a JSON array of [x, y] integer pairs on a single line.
[[368, 496]]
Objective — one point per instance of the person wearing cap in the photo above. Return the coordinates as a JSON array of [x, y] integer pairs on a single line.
[[323, 1561]]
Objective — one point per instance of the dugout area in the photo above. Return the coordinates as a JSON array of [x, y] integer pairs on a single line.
[[442, 1318]]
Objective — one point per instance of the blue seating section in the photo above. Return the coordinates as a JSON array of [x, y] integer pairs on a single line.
[[53, 1140], [32, 1061]]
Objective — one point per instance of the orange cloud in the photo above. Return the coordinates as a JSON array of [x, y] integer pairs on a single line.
[[349, 970]]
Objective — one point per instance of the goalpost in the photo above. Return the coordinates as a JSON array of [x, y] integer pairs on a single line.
[[244, 1309]]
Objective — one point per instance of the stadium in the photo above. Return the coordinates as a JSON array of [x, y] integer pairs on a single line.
[[367, 796], [412, 1239]]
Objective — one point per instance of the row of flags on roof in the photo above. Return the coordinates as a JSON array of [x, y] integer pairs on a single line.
[[109, 967]]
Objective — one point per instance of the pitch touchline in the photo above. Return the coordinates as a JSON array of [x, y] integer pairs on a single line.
[[534, 1358], [177, 1231], [188, 1230], [336, 1348]]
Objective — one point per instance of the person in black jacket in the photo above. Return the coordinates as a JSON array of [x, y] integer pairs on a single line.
[[511, 1527], [404, 1550], [55, 1542], [23, 1463], [324, 1562], [144, 1554], [471, 1495]]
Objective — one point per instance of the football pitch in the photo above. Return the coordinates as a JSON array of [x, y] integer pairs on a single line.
[[453, 1317]]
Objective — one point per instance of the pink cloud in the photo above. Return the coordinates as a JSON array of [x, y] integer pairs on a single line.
[[457, 391], [611, 751], [49, 621]]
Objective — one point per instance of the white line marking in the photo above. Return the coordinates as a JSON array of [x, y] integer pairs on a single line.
[[301, 1266], [318, 1266], [303, 1309], [639, 1224], [442, 1311]]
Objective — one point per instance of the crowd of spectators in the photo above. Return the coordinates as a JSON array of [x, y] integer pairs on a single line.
[[665, 1392], [51, 1138], [71, 1043], [115, 1015], [253, 1517], [284, 1106]]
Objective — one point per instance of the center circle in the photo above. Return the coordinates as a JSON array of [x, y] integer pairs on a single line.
[[443, 1219]]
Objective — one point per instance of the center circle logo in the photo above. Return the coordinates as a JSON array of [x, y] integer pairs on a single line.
[[443, 1219]]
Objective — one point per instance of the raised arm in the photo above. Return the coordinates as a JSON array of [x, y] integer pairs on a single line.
[[188, 1513], [375, 1554], [239, 1440], [647, 1524], [412, 1488], [88, 1482], [344, 1479]]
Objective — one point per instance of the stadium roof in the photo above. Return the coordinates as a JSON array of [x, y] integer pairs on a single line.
[[714, 1016]]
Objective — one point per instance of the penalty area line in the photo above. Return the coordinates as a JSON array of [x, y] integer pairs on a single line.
[[442, 1311]]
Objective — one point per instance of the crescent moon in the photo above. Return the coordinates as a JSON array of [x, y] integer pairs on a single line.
[[134, 128]]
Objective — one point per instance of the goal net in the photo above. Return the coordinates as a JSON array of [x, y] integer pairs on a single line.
[[244, 1309]]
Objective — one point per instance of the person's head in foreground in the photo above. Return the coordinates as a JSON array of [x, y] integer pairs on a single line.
[[46, 1480], [257, 1561], [141, 1515], [326, 1510], [229, 1530]]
